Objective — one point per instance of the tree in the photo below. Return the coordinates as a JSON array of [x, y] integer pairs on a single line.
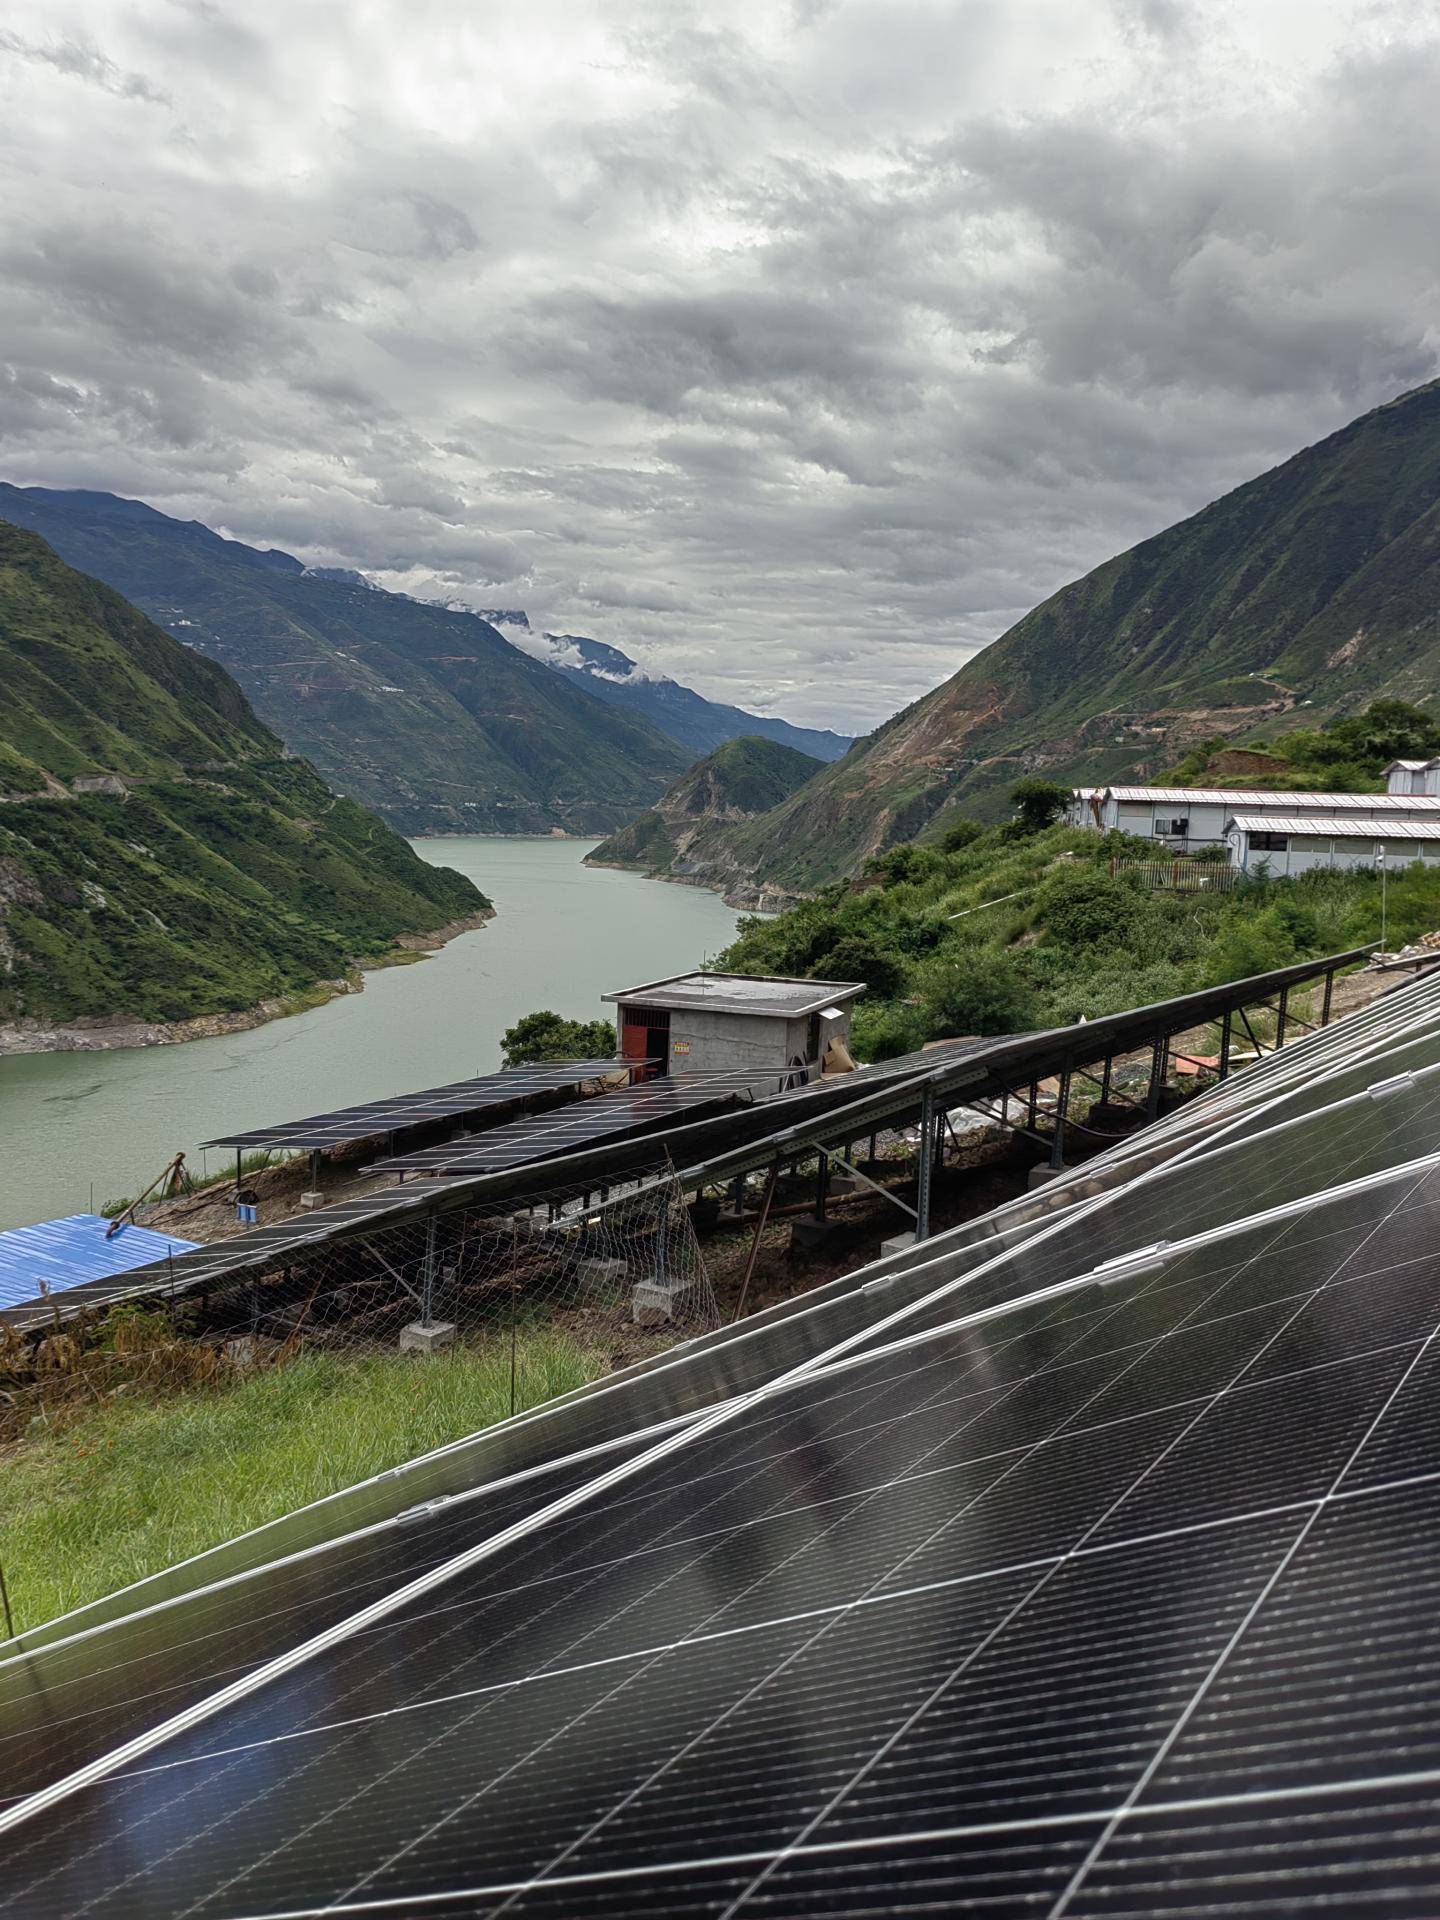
[[550, 1036], [1038, 803]]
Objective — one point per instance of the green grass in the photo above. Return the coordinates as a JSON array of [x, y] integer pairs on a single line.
[[130, 1489]]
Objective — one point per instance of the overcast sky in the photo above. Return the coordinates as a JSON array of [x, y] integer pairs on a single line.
[[796, 348]]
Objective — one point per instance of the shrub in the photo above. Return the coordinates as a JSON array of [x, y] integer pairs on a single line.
[[979, 991], [884, 1029], [550, 1036], [857, 956], [959, 835], [1086, 907]]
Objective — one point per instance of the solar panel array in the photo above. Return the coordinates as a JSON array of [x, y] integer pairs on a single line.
[[1081, 1562], [541, 1136], [459, 1097]]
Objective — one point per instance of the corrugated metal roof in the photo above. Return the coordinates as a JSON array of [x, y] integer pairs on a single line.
[[1339, 828], [1411, 766], [1292, 802], [66, 1253]]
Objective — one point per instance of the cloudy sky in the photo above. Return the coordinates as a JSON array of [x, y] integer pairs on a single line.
[[796, 346]]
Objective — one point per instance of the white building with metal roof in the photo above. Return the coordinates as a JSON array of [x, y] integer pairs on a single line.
[[1185, 819], [714, 1022], [1284, 844], [1413, 776]]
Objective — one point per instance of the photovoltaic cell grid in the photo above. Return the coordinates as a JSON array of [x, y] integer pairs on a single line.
[[193, 1640], [1117, 1601], [1057, 1576], [758, 1348], [542, 1136], [486, 1090]]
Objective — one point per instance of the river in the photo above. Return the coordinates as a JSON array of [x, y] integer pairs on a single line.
[[77, 1125]]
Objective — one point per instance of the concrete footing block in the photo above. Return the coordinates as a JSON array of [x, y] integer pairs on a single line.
[[314, 1198], [901, 1243], [601, 1276], [655, 1302], [431, 1337], [1042, 1175]]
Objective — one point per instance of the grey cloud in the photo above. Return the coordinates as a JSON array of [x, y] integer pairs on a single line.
[[796, 352], [81, 61]]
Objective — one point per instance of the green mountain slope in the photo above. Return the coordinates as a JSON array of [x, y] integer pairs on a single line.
[[685, 835], [160, 855], [428, 716], [1313, 587]]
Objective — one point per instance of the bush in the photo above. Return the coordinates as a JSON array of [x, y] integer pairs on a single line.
[[550, 1036], [977, 992], [1086, 907], [857, 956], [959, 835], [883, 1030]]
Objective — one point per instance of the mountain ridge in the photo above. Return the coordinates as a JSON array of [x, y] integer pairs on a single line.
[[429, 716], [684, 836], [691, 718], [162, 858], [1309, 590]]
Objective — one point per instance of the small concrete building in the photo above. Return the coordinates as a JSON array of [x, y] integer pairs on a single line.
[[736, 1022], [1286, 844], [1413, 776], [1184, 819]]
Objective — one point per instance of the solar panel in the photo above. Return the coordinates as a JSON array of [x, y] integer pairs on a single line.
[[543, 1136], [1043, 1611], [1317, 1071], [433, 1103]]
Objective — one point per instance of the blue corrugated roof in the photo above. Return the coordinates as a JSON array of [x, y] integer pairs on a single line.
[[66, 1253]]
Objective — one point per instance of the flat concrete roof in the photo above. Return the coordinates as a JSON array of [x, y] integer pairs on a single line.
[[766, 994]]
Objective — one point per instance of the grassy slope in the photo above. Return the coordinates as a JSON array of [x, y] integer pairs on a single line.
[[132, 1488], [1074, 942], [1322, 576], [228, 875], [427, 715], [738, 780]]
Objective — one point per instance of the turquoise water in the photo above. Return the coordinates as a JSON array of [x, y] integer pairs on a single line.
[[563, 934]]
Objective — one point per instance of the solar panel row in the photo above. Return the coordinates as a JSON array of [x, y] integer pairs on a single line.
[[1318, 1071], [1080, 1563], [542, 1136], [486, 1090]]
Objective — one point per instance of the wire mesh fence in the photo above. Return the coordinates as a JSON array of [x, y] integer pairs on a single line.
[[618, 1274]]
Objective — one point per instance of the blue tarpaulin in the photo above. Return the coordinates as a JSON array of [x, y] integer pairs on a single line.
[[66, 1253]]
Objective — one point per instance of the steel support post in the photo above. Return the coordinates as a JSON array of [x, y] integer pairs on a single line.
[[427, 1285], [822, 1185], [1280, 1015], [1325, 1004], [927, 1165], [1159, 1060], [1225, 1044], [1105, 1079], [1062, 1108], [764, 1215]]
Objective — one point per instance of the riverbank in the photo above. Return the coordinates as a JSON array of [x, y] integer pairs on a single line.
[[109, 1033], [742, 897], [83, 1127]]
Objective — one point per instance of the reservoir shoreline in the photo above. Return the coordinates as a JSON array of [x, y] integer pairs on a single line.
[[85, 1126], [117, 1032]]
